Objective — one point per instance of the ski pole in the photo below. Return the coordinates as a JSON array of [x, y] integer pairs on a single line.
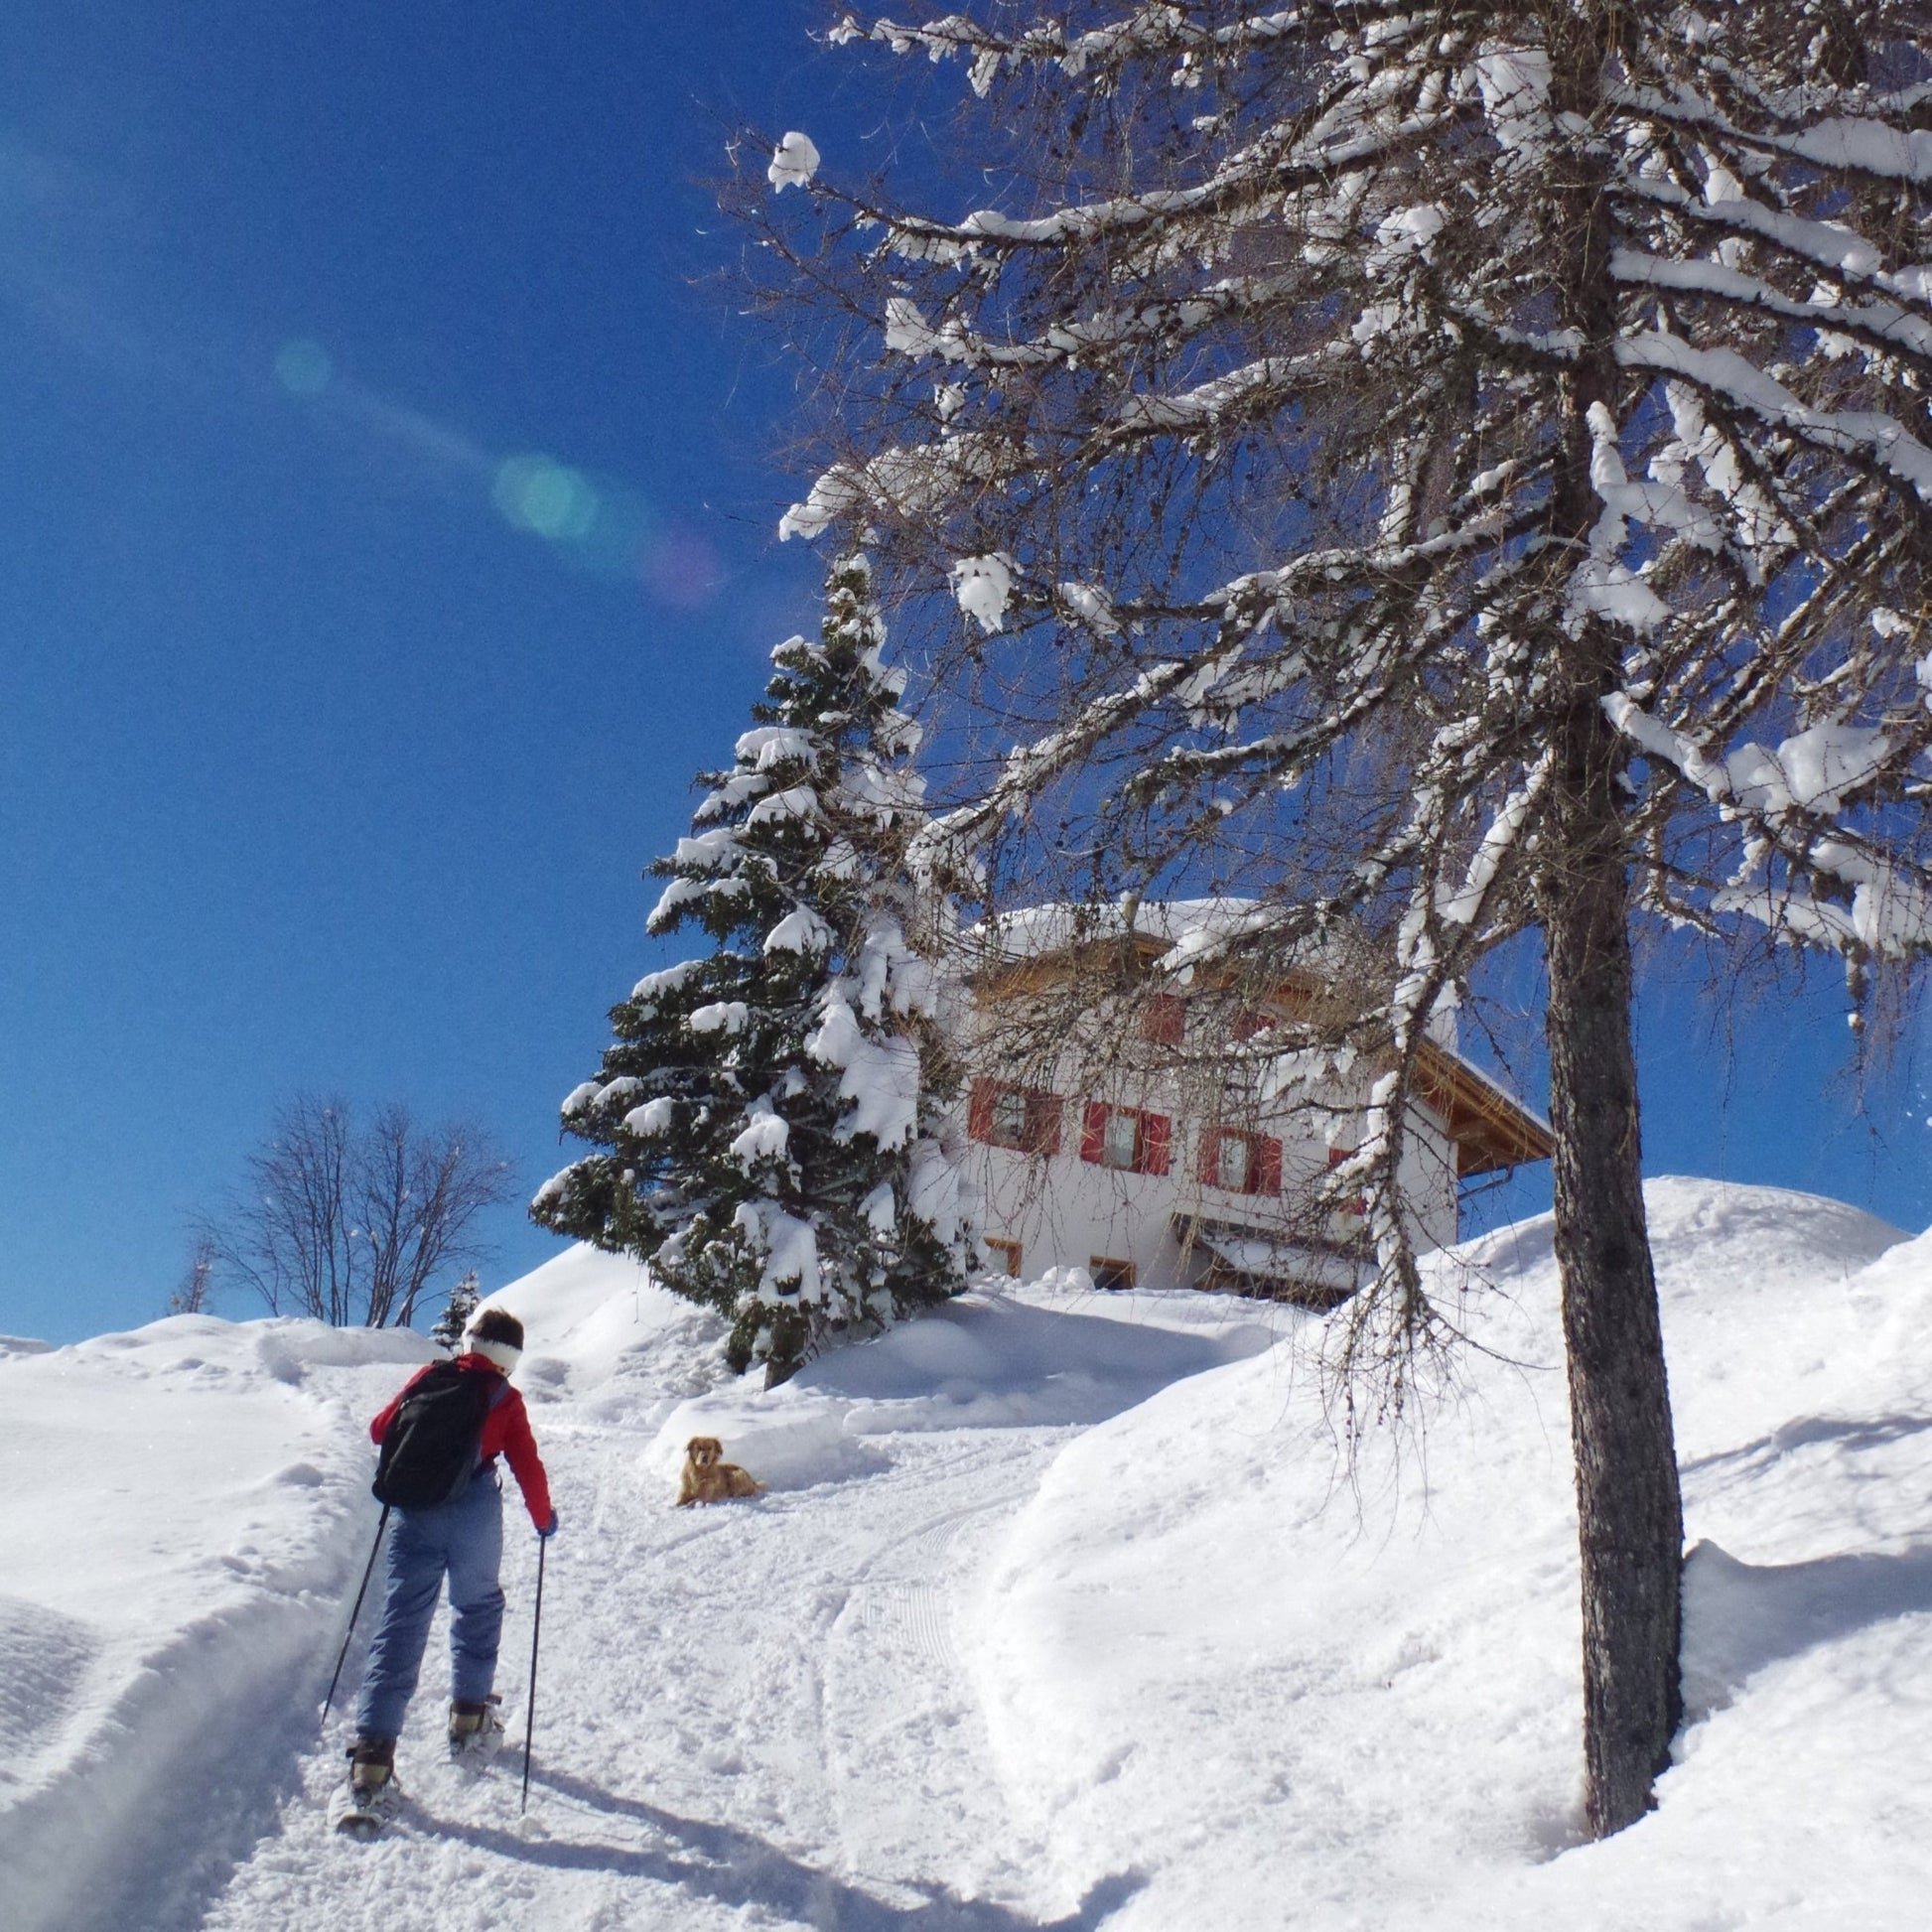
[[368, 1573], [530, 1706]]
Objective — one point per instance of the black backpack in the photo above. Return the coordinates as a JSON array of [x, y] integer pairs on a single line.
[[434, 1445]]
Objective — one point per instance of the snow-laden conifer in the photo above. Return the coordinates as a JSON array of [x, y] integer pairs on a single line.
[[769, 1116], [1470, 466], [453, 1322]]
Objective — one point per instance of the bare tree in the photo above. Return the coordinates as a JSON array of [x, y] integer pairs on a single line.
[[418, 1193], [1457, 473], [353, 1228], [196, 1288]]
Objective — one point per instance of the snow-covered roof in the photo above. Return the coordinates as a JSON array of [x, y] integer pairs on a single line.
[[1192, 924]]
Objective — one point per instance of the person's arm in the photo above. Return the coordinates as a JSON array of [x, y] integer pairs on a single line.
[[519, 1448]]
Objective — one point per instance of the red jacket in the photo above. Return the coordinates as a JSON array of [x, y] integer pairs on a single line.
[[506, 1433]]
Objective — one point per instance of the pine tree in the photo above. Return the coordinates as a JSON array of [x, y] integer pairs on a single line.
[[456, 1310], [1470, 467], [770, 1111]]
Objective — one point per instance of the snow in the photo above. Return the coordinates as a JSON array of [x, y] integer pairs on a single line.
[[1893, 154], [719, 1016], [1090, 604], [766, 1137], [184, 1507], [766, 746], [653, 1119], [1515, 86], [669, 979], [802, 931], [795, 802], [1735, 382], [581, 1096], [790, 1247], [1061, 1611], [1810, 771], [983, 587], [793, 163]]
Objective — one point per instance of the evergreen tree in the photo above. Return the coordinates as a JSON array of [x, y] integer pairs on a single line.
[[768, 1116], [1468, 470], [455, 1319]]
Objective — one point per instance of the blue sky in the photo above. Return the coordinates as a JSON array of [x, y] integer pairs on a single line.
[[387, 504]]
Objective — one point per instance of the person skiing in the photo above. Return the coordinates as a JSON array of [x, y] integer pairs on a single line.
[[439, 1451]]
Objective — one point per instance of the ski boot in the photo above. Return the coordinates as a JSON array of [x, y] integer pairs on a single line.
[[370, 1798], [475, 1727]]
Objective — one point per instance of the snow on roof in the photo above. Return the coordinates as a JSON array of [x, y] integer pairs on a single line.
[[1191, 924]]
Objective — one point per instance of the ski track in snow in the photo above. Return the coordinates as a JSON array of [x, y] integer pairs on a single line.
[[746, 1716]]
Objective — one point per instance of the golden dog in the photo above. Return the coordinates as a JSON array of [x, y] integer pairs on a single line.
[[709, 1479]]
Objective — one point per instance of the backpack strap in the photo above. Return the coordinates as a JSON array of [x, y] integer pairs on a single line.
[[496, 1395]]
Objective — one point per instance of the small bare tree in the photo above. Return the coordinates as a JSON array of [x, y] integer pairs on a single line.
[[418, 1190], [196, 1286], [353, 1228]]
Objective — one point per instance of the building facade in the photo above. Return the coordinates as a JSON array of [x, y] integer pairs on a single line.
[[1164, 1138]]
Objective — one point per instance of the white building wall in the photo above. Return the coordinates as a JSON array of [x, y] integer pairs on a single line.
[[1064, 1211]]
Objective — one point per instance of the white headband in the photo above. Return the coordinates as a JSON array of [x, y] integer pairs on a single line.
[[500, 1352]]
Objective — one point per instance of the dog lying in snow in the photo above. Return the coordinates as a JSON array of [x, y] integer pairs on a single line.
[[709, 1479]]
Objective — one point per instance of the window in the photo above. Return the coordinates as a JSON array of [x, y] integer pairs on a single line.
[[1021, 1118], [1128, 1139], [1008, 1118], [1109, 1272], [1005, 1255], [1241, 1163], [1233, 1163], [1164, 1019]]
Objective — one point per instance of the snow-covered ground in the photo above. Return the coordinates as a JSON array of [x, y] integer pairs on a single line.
[[1060, 1612]]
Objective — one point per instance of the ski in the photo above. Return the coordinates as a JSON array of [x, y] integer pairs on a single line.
[[363, 1813], [355, 1818]]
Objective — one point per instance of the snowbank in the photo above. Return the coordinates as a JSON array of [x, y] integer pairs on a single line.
[[181, 1510], [1018, 1357], [1209, 1653], [601, 1327]]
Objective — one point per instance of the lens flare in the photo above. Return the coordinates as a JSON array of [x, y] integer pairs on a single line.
[[545, 498], [681, 569], [303, 368], [605, 530]]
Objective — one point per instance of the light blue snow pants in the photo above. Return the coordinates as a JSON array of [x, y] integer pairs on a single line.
[[465, 1540]]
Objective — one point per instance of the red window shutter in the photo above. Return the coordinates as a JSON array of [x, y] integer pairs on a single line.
[[979, 1111], [1165, 1019], [1043, 1123], [1093, 1136], [1157, 1144], [1265, 1171], [1211, 1155]]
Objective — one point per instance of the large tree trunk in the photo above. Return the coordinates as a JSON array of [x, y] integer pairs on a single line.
[[1629, 1520]]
